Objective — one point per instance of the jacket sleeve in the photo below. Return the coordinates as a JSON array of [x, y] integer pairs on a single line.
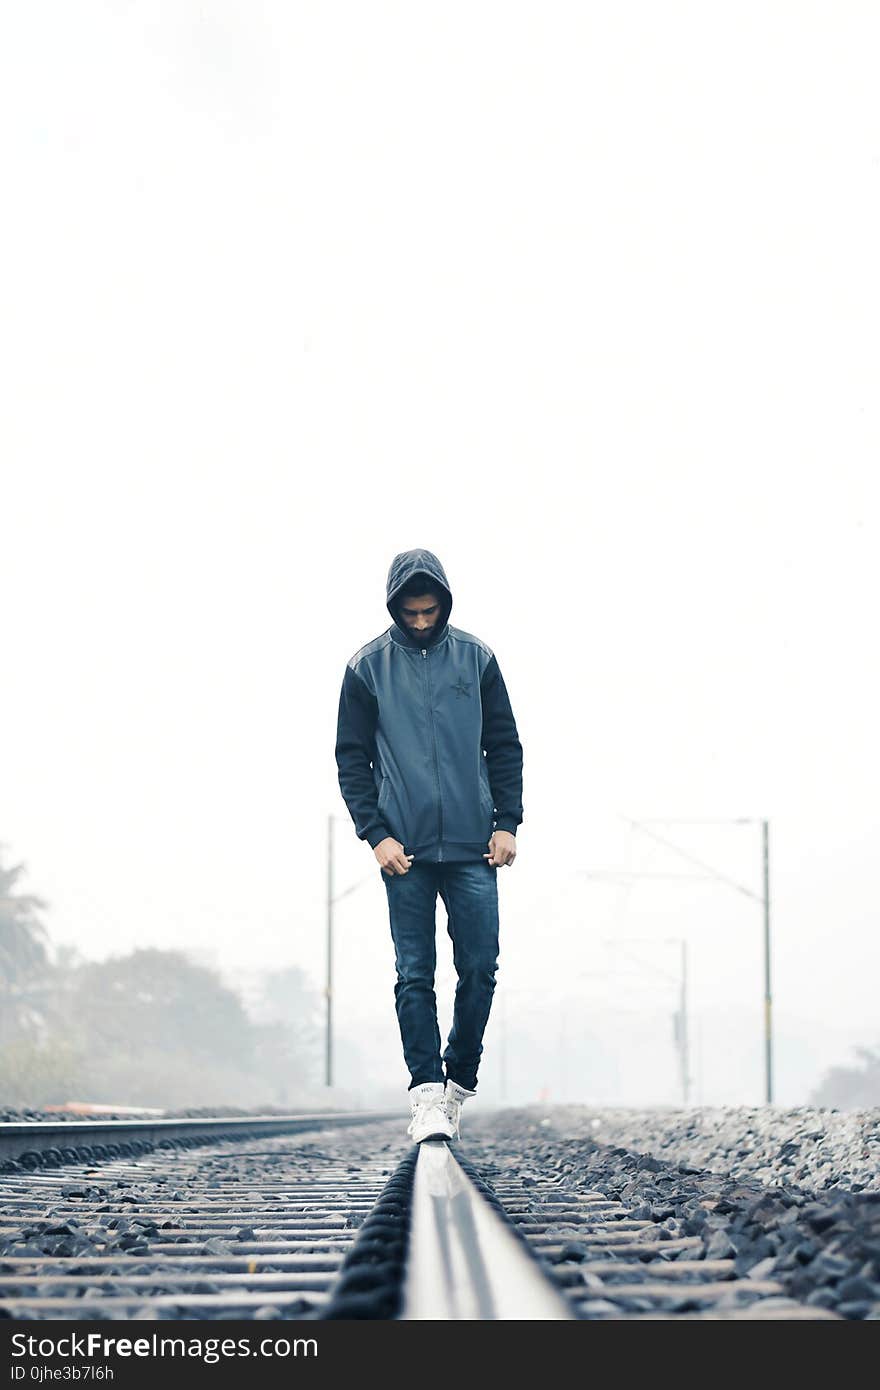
[[503, 749], [355, 751]]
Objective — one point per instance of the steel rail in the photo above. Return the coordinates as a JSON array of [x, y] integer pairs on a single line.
[[464, 1261], [18, 1138]]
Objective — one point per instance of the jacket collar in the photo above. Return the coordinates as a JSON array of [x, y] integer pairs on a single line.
[[404, 639]]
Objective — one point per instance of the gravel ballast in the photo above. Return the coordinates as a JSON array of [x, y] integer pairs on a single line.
[[725, 1176], [819, 1149]]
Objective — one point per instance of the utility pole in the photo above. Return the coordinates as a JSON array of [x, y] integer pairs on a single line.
[[328, 1044], [680, 1017], [502, 1051], [563, 1060], [768, 997], [682, 1028], [328, 992]]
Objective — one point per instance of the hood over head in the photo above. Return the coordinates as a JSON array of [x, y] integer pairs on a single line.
[[403, 567]]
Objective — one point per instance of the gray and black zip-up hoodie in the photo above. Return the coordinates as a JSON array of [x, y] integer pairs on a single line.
[[426, 744]]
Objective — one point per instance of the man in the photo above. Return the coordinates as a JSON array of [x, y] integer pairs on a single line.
[[430, 767]]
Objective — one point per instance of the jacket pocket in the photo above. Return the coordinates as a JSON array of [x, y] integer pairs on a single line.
[[383, 792]]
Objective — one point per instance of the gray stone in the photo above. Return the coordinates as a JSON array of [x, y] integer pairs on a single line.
[[719, 1247]]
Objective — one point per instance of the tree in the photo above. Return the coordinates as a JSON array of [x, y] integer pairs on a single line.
[[24, 957], [23, 937], [163, 1002], [155, 1028]]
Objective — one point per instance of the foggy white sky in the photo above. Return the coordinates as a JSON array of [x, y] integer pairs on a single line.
[[584, 298]]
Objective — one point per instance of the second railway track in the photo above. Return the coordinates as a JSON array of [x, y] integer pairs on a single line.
[[257, 1227]]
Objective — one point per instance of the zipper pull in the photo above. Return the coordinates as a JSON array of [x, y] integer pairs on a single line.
[[424, 653]]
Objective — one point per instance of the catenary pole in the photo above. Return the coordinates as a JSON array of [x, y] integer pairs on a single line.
[[768, 997], [685, 1046], [680, 1018], [502, 1051], [332, 899], [328, 1054]]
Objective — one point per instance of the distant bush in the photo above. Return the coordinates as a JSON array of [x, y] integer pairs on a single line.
[[33, 1074], [851, 1088]]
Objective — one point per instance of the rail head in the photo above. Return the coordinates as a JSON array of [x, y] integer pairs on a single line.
[[464, 1261]]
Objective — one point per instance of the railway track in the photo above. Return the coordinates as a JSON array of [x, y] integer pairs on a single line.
[[316, 1217]]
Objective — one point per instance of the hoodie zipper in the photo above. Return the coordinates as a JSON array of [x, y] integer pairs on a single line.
[[436, 758]]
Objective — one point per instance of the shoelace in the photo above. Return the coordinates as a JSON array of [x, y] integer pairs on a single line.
[[425, 1100], [426, 1105], [423, 1110]]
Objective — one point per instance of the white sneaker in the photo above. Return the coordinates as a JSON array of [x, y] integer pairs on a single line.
[[429, 1119], [453, 1100]]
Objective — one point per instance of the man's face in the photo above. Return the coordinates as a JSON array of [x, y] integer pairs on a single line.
[[420, 615]]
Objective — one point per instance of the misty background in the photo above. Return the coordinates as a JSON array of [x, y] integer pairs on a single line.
[[583, 298]]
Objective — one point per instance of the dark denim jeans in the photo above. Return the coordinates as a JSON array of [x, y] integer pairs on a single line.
[[470, 895]]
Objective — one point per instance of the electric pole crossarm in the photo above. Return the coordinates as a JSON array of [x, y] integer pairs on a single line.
[[768, 997], [692, 859], [627, 876]]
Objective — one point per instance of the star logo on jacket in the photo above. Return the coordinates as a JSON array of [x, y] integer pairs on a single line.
[[463, 687]]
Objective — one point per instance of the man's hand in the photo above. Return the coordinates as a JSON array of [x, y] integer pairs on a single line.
[[390, 855], [502, 848]]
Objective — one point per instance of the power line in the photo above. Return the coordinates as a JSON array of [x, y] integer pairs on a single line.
[[692, 859]]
